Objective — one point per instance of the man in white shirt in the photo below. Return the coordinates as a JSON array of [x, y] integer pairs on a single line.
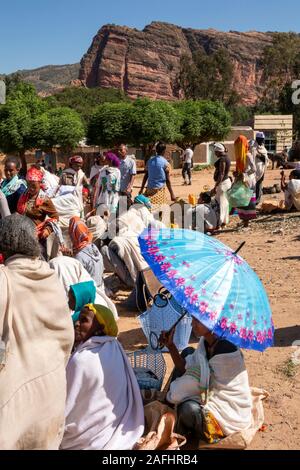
[[128, 171], [187, 165]]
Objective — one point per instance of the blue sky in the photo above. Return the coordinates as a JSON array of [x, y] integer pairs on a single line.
[[41, 32]]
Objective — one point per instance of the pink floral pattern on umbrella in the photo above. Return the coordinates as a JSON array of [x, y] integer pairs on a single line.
[[224, 324], [166, 266], [213, 316], [270, 333], [159, 258], [251, 335], [261, 337], [153, 251], [180, 282], [233, 328], [187, 265], [172, 274], [244, 333], [203, 307], [194, 299], [189, 291]]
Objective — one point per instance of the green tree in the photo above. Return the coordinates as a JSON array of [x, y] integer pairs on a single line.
[[207, 77], [281, 65], [17, 116], [286, 106], [110, 124], [11, 81], [63, 127], [201, 121], [152, 121], [85, 100]]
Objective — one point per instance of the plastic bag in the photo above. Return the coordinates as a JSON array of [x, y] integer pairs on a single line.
[[239, 195]]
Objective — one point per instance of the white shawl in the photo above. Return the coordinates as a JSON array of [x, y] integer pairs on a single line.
[[130, 225], [70, 272], [229, 398], [38, 336], [292, 194], [104, 409]]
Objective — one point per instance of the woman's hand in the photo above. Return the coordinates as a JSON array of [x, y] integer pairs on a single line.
[[167, 339], [45, 234], [66, 251]]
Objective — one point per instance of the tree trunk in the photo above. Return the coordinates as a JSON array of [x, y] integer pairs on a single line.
[[23, 161]]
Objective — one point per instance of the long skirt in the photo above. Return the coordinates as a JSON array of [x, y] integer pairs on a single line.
[[221, 198], [249, 212], [158, 197]]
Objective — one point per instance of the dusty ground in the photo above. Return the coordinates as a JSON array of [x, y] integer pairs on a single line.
[[273, 251]]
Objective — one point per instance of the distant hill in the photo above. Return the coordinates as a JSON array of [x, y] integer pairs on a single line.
[[50, 78]]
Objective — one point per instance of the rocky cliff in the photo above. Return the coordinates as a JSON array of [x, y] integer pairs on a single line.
[[146, 63]]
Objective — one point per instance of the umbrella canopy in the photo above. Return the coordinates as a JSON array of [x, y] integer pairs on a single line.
[[214, 284]]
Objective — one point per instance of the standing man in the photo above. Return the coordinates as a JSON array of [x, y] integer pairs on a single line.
[[128, 171], [260, 155], [187, 165]]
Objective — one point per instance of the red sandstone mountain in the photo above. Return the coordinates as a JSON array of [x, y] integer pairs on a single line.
[[146, 63]]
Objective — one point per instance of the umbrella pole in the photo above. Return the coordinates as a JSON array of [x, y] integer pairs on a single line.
[[239, 248]]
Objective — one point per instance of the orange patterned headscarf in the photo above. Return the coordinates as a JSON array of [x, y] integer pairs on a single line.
[[79, 233], [241, 148]]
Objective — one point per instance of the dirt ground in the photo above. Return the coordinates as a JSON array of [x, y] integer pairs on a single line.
[[273, 251]]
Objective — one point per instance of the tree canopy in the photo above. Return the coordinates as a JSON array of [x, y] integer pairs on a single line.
[[22, 108], [110, 124], [85, 100], [202, 121], [152, 121], [26, 123], [144, 122]]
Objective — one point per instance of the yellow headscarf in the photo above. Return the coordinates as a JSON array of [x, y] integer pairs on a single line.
[[105, 318], [241, 149]]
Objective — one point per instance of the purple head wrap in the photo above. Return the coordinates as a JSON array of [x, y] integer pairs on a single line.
[[115, 161]]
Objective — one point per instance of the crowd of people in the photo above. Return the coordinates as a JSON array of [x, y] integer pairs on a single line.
[[65, 380]]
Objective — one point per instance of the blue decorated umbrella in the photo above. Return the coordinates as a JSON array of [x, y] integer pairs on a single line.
[[213, 283]]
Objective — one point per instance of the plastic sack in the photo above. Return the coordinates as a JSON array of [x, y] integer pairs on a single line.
[[239, 195]]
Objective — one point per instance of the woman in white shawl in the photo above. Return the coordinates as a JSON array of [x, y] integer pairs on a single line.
[[36, 338], [104, 409], [211, 387], [291, 190]]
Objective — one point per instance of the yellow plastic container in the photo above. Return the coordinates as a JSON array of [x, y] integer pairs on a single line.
[[192, 199]]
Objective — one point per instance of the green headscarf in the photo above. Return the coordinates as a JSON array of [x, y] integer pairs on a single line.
[[84, 293]]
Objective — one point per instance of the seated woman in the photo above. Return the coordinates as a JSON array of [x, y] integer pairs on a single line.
[[291, 190], [85, 251], [219, 402], [206, 215], [13, 186], [37, 206], [104, 409], [123, 255], [79, 295]]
